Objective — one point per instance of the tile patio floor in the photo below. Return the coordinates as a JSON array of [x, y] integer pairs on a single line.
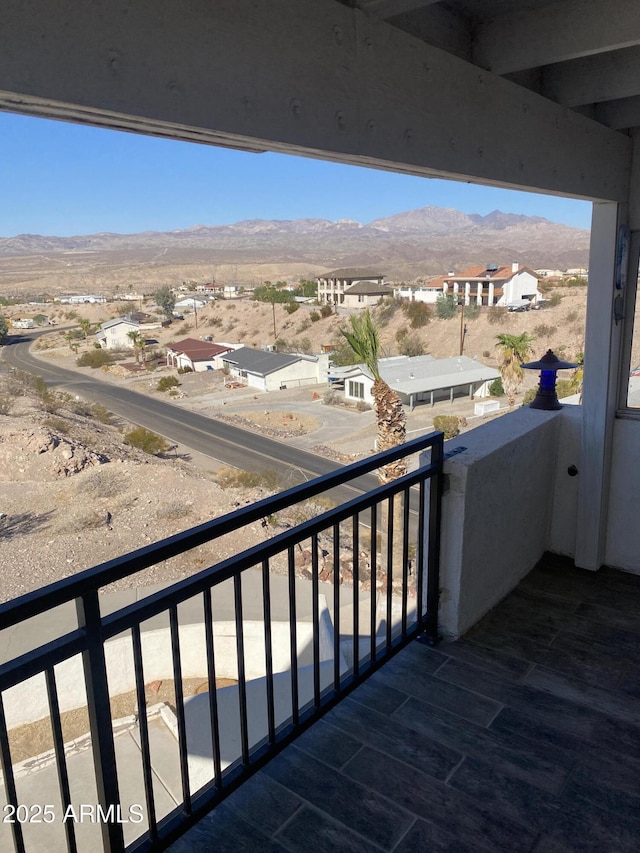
[[523, 736]]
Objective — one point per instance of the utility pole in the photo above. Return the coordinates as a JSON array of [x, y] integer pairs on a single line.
[[463, 328]]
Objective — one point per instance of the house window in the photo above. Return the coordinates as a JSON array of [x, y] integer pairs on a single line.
[[356, 389]]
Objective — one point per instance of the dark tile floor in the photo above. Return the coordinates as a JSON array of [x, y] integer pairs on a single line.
[[522, 736]]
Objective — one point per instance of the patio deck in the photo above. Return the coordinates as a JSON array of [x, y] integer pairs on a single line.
[[522, 736]]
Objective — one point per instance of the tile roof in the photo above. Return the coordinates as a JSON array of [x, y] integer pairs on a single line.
[[353, 273], [369, 287]]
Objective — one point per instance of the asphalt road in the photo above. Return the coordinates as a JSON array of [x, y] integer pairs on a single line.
[[229, 445]]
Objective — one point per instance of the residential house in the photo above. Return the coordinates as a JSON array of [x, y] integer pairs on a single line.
[[365, 294], [114, 334], [494, 285], [418, 379], [273, 371], [196, 354], [333, 286]]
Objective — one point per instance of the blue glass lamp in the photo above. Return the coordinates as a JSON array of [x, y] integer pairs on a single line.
[[549, 365]]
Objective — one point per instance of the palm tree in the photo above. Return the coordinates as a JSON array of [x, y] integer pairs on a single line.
[[85, 325], [139, 344], [364, 340], [515, 349]]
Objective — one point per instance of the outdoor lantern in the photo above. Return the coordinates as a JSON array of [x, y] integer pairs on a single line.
[[549, 365]]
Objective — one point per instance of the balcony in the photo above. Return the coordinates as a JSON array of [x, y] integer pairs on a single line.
[[522, 736], [519, 736]]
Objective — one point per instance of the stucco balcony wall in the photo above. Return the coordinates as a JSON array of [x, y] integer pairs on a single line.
[[508, 499]]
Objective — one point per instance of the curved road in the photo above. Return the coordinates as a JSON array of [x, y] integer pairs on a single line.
[[227, 444]]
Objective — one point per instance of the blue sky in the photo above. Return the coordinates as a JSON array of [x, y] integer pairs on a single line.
[[63, 179]]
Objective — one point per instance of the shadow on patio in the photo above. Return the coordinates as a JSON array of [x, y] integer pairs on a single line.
[[522, 736]]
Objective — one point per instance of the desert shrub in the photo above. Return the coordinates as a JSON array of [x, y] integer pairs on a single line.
[[497, 314], [330, 398], [215, 321], [102, 414], [553, 300], [6, 404], [361, 406], [571, 317], [145, 440], [486, 353], [233, 478], [50, 402], [58, 425], [304, 345], [449, 424], [306, 324], [181, 371], [496, 389], [291, 307], [173, 392], [386, 308], [543, 330], [95, 358], [528, 396], [102, 482], [565, 388], [314, 316], [446, 306], [174, 510], [472, 311], [418, 313], [326, 311], [410, 345], [166, 382]]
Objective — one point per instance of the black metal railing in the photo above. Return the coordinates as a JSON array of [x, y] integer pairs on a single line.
[[372, 561]]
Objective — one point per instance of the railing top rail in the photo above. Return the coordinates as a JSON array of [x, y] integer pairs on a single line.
[[90, 580]]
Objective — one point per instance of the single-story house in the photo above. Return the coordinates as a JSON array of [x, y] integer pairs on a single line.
[[418, 379], [273, 371], [190, 304], [196, 354], [114, 334]]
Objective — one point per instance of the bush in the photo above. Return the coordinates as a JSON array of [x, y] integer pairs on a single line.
[[553, 300], [326, 311], [166, 382], [497, 314], [542, 330], [181, 371], [6, 404], [145, 440], [233, 478], [496, 389], [472, 311], [95, 358], [418, 313], [446, 306], [58, 425], [448, 424], [410, 345], [314, 316], [528, 396], [291, 307]]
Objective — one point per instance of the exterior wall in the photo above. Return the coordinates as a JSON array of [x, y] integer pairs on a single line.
[[496, 512], [422, 295], [363, 380], [622, 549], [522, 285], [298, 374], [362, 300], [115, 337]]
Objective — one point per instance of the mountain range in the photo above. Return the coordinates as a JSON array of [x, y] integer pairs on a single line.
[[418, 242]]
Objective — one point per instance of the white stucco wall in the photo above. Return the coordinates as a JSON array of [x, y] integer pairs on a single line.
[[496, 512], [622, 548]]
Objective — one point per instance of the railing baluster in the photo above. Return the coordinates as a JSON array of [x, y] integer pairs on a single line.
[[374, 579], [315, 609], [433, 571], [405, 557], [293, 636], [213, 691], [355, 521], [61, 761], [141, 699], [242, 681], [268, 651], [336, 608], [420, 554], [9, 779], [390, 503], [100, 722], [174, 626]]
